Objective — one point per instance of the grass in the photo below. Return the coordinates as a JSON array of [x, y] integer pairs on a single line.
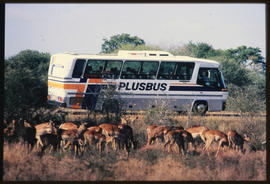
[[147, 162]]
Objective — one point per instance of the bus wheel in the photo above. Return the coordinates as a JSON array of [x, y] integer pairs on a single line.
[[199, 108]]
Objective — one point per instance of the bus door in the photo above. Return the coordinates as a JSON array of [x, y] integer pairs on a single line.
[[96, 72]]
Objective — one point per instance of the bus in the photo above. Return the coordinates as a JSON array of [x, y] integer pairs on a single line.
[[140, 78]]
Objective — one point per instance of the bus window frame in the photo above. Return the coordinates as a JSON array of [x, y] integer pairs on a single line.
[[173, 76], [218, 77], [140, 69]]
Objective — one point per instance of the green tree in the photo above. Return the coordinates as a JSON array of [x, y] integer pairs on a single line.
[[114, 43], [233, 72], [244, 54], [25, 85], [199, 50]]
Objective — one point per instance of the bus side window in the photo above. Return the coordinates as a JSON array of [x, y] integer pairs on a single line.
[[148, 70], [78, 68], [184, 71], [131, 70], [166, 70], [94, 68], [112, 69]]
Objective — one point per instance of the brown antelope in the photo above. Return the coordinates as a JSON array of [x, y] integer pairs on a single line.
[[210, 136], [196, 132], [172, 138], [73, 137], [68, 126], [236, 141], [156, 131], [42, 129], [111, 132], [94, 138], [128, 132]]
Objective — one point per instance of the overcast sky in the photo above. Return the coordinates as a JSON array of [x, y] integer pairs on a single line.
[[80, 28]]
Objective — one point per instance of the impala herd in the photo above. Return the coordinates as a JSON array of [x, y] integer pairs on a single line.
[[80, 137]]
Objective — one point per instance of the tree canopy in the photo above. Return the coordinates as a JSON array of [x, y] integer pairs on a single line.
[[25, 83], [115, 42]]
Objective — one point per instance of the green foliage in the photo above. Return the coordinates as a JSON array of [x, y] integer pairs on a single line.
[[116, 41], [234, 73], [242, 54], [245, 100], [25, 82], [199, 50]]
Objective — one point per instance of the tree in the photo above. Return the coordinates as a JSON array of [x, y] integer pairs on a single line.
[[244, 54], [25, 85], [116, 41], [199, 50]]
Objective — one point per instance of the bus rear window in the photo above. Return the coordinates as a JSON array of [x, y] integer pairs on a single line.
[[78, 68]]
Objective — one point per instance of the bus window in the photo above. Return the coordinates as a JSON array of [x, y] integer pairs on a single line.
[[166, 70], [184, 71], [210, 77], [131, 70], [148, 70], [78, 68], [112, 69], [94, 68]]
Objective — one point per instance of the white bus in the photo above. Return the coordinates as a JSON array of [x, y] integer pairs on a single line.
[[140, 78]]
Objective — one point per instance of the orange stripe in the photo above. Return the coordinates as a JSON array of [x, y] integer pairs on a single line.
[[66, 86], [80, 89], [94, 80]]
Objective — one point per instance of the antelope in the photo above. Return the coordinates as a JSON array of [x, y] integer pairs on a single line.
[[214, 135], [93, 136], [42, 129], [196, 132], [10, 132], [115, 136], [73, 137], [68, 126], [29, 135], [173, 137], [156, 131], [111, 133], [128, 132], [236, 141]]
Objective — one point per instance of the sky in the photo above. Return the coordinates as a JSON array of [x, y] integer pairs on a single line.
[[81, 28]]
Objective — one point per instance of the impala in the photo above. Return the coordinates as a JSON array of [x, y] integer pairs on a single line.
[[92, 137], [156, 131], [236, 141], [42, 129], [196, 132], [74, 137], [128, 132], [172, 138], [209, 136], [111, 132]]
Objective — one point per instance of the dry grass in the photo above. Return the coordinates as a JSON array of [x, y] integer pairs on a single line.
[[146, 163]]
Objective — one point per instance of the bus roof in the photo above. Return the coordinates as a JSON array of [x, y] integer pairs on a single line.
[[136, 55]]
